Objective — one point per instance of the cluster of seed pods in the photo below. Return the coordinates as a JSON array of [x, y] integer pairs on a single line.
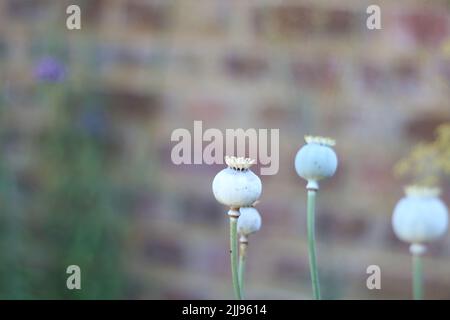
[[418, 218]]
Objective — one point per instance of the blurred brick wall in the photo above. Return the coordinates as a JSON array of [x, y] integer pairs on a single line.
[[300, 66]]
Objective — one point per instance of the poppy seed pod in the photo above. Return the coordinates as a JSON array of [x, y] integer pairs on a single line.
[[237, 186], [249, 221], [316, 160], [420, 216]]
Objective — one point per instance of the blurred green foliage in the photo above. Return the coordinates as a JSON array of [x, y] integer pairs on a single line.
[[69, 214]]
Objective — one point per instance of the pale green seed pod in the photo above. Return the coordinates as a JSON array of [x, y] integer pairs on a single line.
[[249, 221], [316, 160], [237, 186], [420, 216]]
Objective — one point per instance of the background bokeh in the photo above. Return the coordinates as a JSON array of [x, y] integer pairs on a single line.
[[86, 117]]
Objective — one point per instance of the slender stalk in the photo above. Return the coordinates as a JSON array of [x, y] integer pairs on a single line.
[[243, 243], [234, 255], [417, 276], [312, 244]]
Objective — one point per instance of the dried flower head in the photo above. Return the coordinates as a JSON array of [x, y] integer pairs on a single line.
[[320, 140], [239, 163], [422, 191]]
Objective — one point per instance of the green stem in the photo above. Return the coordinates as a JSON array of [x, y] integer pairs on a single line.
[[234, 257], [312, 244], [417, 277], [242, 261]]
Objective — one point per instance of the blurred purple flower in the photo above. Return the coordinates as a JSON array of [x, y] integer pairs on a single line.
[[50, 69]]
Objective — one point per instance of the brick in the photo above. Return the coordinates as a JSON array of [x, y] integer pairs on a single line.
[[374, 77], [436, 289], [406, 74], [164, 251], [202, 209], [332, 225], [274, 112], [294, 19], [390, 239], [443, 70], [147, 15], [3, 49], [275, 213], [427, 26], [164, 154], [91, 11], [215, 259], [422, 127], [302, 20], [340, 22], [289, 268], [109, 56], [395, 287], [132, 104], [209, 110], [27, 9], [438, 248], [378, 172], [209, 20], [320, 73], [186, 62], [246, 66]]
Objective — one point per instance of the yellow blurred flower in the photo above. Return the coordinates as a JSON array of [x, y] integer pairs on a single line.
[[446, 48], [428, 162]]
